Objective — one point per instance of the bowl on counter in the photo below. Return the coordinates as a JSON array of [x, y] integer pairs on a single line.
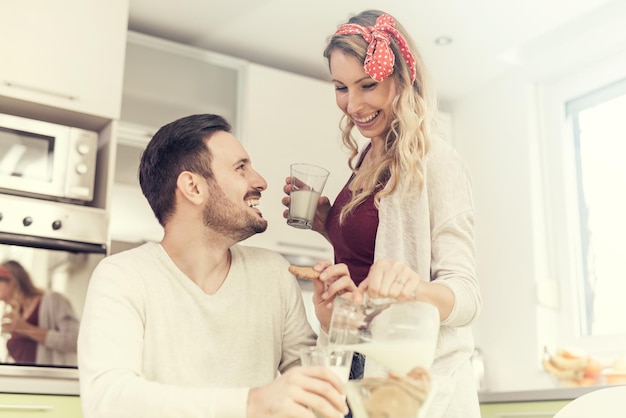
[[614, 376]]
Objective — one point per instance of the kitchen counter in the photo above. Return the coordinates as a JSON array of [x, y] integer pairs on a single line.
[[64, 381], [552, 394], [39, 380]]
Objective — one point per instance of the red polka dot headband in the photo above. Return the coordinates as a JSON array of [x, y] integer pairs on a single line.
[[380, 59], [5, 273]]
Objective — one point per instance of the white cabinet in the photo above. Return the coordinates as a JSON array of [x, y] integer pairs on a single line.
[[290, 118], [163, 81], [280, 118], [64, 54], [132, 219]]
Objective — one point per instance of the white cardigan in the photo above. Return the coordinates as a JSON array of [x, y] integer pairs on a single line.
[[57, 316], [432, 232]]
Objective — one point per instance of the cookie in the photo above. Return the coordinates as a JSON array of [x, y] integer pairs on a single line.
[[304, 272]]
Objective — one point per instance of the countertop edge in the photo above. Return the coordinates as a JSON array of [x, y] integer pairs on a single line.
[[553, 394], [39, 380]]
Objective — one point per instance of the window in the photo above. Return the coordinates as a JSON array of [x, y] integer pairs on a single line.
[[581, 153], [598, 140]]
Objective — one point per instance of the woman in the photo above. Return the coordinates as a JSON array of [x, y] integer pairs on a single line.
[[42, 325], [403, 223]]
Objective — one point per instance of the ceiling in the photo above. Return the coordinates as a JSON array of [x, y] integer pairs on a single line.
[[489, 37]]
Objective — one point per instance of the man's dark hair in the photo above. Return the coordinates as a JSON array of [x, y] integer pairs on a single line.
[[176, 147]]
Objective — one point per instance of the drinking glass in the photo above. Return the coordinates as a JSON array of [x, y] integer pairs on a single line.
[[336, 359], [307, 183], [7, 308]]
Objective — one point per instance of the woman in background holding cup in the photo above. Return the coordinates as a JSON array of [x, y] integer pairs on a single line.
[[42, 325], [403, 223]]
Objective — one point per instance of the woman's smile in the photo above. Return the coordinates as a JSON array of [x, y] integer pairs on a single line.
[[363, 121]]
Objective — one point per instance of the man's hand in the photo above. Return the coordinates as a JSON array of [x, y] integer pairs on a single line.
[[297, 393]]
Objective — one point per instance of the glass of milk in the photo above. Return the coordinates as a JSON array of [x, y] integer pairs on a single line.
[[336, 359], [307, 183]]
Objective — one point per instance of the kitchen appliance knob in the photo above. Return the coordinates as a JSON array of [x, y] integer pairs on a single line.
[[27, 221], [81, 168], [83, 149], [56, 225]]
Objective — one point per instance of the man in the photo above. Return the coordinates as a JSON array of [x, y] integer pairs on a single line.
[[197, 325]]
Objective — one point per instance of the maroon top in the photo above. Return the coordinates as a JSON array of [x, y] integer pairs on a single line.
[[354, 241], [22, 348]]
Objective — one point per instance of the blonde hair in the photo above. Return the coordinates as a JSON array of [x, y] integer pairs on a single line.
[[414, 109], [23, 284]]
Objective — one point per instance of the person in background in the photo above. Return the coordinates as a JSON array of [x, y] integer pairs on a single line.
[[42, 325], [403, 223], [199, 325]]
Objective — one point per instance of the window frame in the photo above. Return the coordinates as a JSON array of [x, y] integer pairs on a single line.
[[558, 290]]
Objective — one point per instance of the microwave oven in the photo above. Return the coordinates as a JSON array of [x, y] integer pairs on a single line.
[[46, 160]]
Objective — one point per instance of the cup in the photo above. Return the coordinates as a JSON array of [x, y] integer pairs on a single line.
[[307, 183], [7, 308], [337, 359]]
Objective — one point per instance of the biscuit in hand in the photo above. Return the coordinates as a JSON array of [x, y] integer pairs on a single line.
[[307, 273]]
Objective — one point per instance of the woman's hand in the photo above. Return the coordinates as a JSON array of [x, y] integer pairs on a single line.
[[334, 280], [14, 323], [11, 322], [321, 213], [391, 279]]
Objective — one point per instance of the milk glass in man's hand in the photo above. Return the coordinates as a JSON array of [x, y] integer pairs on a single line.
[[336, 359], [307, 183]]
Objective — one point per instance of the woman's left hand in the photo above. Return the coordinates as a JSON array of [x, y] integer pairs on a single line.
[[335, 280], [391, 279]]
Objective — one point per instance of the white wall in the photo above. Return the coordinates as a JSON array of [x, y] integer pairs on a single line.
[[492, 132], [499, 129]]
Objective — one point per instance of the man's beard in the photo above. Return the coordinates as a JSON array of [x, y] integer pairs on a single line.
[[223, 216]]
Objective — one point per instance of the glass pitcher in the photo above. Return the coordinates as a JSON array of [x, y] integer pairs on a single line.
[[402, 337]]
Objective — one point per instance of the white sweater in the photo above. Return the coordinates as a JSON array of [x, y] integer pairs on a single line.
[[152, 344], [432, 232]]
